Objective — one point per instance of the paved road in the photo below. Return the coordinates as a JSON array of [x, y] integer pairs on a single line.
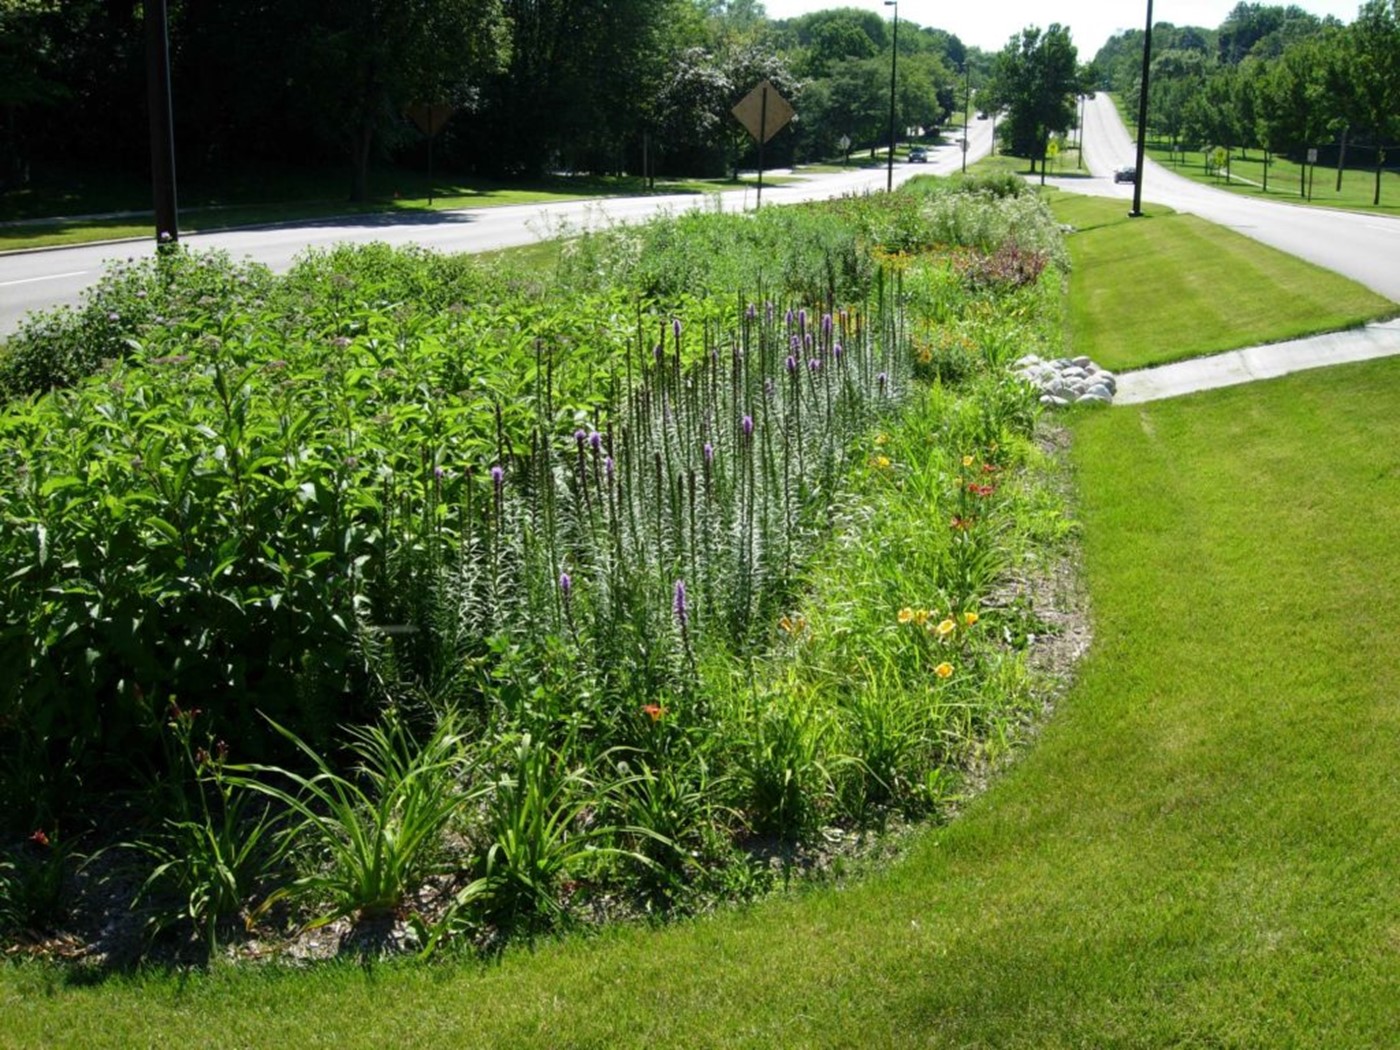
[[1365, 248], [36, 280]]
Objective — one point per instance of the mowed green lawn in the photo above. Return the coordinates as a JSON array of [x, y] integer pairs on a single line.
[[1169, 286], [1199, 850]]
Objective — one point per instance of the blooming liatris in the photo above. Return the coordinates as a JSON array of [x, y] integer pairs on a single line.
[[679, 605], [566, 585], [747, 424]]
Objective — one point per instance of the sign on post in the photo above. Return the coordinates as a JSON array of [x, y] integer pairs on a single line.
[[430, 118], [1312, 155], [764, 113]]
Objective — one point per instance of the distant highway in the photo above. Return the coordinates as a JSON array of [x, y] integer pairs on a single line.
[[37, 280], [1364, 247]]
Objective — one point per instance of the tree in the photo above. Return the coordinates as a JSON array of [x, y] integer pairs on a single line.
[[1038, 81], [694, 108], [1296, 110], [366, 60], [1364, 76], [1177, 78], [25, 78]]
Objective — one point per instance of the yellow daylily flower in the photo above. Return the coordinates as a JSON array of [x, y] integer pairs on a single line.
[[906, 614], [944, 669], [969, 618], [946, 628]]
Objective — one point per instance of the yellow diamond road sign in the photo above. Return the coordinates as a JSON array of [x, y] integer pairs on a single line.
[[763, 111]]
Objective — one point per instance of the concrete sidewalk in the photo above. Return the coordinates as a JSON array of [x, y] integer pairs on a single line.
[[1258, 362]]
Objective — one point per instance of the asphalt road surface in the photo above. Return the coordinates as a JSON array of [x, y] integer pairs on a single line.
[[37, 280], [1365, 248]]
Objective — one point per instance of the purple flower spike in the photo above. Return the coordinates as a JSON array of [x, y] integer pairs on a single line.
[[787, 318], [752, 311], [802, 320], [658, 353], [596, 440], [608, 466], [439, 473], [709, 452], [826, 324], [882, 379], [747, 424], [498, 476], [676, 327], [836, 351], [566, 585], [791, 363], [580, 435], [682, 612], [814, 365]]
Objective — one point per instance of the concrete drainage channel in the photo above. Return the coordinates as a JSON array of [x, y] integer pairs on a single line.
[[1067, 380]]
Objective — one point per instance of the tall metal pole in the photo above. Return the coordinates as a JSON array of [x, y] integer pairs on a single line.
[[894, 57], [967, 111], [1142, 116], [162, 123], [1080, 163]]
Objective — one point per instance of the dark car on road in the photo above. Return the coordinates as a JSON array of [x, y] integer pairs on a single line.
[[1127, 173], [918, 155]]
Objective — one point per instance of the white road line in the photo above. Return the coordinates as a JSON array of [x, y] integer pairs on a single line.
[[49, 277]]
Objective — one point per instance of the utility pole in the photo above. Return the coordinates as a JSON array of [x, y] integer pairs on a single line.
[[894, 57], [162, 122], [1080, 163], [1142, 117], [967, 111]]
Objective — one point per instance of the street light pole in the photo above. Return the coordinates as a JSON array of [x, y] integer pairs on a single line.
[[894, 58], [162, 122], [1142, 117], [967, 111], [1080, 163]]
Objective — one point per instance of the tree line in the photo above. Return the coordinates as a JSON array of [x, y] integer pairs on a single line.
[[532, 85], [1272, 78]]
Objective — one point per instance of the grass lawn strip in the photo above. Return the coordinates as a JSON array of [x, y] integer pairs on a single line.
[[1173, 286], [1198, 851]]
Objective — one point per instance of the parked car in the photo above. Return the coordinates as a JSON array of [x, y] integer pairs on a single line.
[[1127, 173], [918, 155]]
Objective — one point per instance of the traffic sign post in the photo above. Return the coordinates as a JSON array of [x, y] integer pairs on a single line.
[[430, 118], [764, 113]]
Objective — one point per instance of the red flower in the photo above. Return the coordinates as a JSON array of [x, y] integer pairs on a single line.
[[39, 838], [654, 710], [960, 523]]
